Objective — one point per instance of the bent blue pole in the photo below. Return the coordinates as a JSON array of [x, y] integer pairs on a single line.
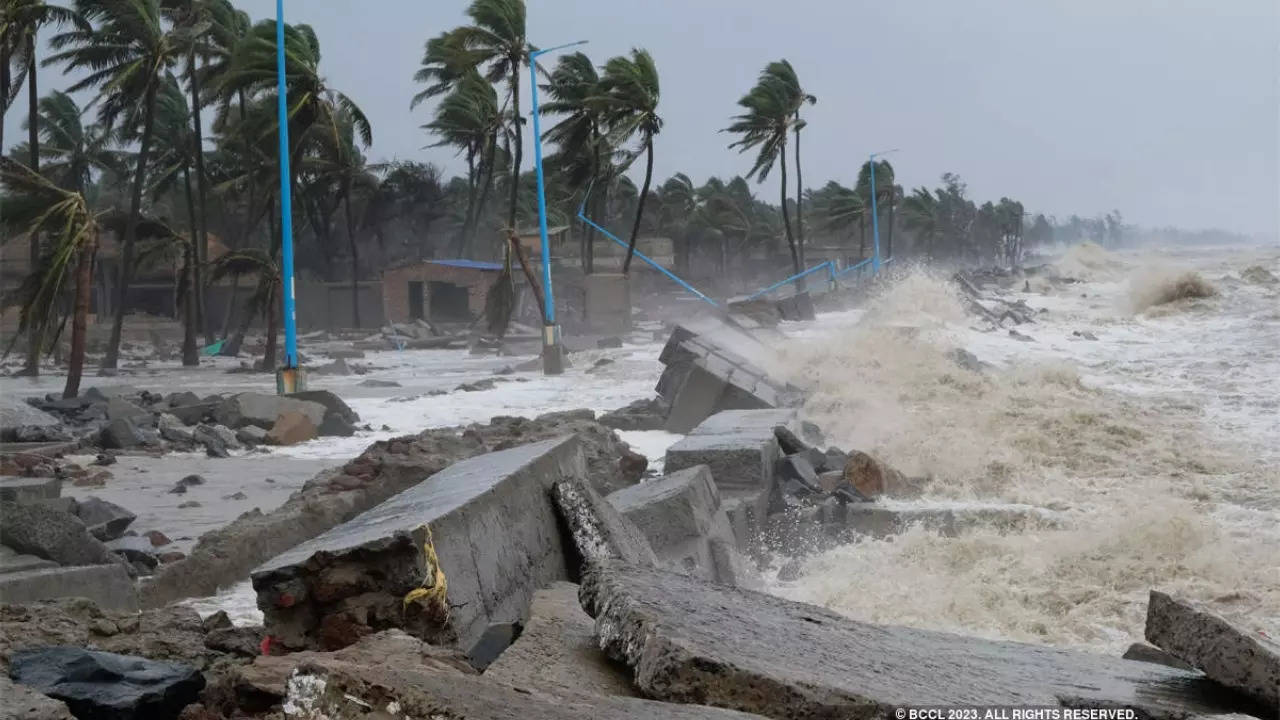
[[875, 218], [793, 278], [853, 267], [286, 208]]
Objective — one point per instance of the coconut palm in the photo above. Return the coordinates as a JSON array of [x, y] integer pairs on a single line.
[[782, 73], [764, 125], [468, 118], [679, 214], [886, 197], [922, 215], [72, 152], [264, 267], [629, 99], [840, 209], [126, 55]]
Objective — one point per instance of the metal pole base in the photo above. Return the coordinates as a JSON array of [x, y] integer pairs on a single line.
[[552, 351], [290, 380]]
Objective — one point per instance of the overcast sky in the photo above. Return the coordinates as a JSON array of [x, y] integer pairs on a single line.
[[1168, 110]]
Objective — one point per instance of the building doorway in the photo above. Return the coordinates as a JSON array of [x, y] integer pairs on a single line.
[[449, 303], [416, 309]]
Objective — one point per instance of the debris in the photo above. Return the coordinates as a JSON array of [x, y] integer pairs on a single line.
[[101, 685]]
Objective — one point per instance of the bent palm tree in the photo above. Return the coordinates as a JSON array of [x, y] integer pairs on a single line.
[[629, 98], [468, 118], [583, 149], [262, 265], [71, 151]]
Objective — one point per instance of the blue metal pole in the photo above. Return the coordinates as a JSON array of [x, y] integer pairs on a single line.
[[875, 218], [286, 206], [645, 258]]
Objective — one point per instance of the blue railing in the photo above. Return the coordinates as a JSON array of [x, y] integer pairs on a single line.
[[830, 268]]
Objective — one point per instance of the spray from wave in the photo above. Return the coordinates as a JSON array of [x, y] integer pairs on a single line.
[[1136, 481], [1162, 286], [1087, 261]]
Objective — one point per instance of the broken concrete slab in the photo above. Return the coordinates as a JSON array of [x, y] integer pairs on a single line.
[[761, 422], [689, 640], [108, 586], [260, 409], [558, 650], [443, 559], [12, 561], [1231, 655], [1143, 652], [25, 490], [103, 685], [50, 534], [600, 533], [740, 461]]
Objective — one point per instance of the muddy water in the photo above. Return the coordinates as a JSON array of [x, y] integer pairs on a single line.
[[1158, 442]]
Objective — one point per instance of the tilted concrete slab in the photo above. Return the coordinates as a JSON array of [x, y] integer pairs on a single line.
[[487, 524], [23, 490], [743, 459], [108, 586], [1229, 654], [690, 640], [558, 650]]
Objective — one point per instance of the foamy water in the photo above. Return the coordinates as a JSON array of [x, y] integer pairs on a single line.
[[1157, 443]]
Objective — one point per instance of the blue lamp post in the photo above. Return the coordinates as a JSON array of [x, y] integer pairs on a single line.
[[552, 353], [875, 216], [289, 378]]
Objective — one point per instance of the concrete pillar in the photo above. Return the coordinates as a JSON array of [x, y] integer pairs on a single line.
[[608, 303]]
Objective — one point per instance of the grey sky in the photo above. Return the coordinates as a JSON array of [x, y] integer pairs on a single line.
[[1169, 111]]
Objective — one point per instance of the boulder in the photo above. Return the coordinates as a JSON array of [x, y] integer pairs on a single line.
[[22, 703], [180, 399], [107, 686], [50, 534], [693, 641], [442, 560], [251, 435], [25, 490], [600, 533], [333, 404], [291, 428], [215, 445], [194, 413], [335, 426], [118, 408], [15, 412], [872, 478], [135, 549], [173, 429], [1233, 656], [105, 520], [261, 409], [12, 561], [108, 586], [558, 650], [227, 435], [645, 414], [122, 434]]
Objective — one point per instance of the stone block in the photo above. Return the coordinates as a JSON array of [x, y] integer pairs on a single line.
[[608, 303], [25, 490], [693, 641], [738, 461], [599, 532], [463, 549], [108, 586], [671, 510], [122, 434], [558, 650], [697, 397], [1229, 654], [16, 412]]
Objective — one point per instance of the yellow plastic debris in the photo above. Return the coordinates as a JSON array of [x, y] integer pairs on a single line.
[[432, 596]]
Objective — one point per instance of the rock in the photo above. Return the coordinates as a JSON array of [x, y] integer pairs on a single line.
[[121, 434], [195, 413], [333, 404], [788, 441], [105, 459], [966, 360], [190, 481], [609, 342], [1143, 652], [106, 585], [335, 426], [215, 446], [558, 650], [740, 461], [477, 386], [240, 641], [50, 534], [797, 477], [105, 520], [600, 533], [180, 399], [291, 428], [120, 409], [157, 538], [237, 495], [1233, 656], [26, 490], [796, 307], [371, 382], [12, 561], [135, 549], [104, 394], [34, 434], [251, 435], [262, 410], [705, 642], [14, 413], [337, 367], [1084, 335], [107, 686], [1019, 336], [227, 435], [872, 478], [171, 556], [649, 414], [173, 429], [443, 559], [23, 703]]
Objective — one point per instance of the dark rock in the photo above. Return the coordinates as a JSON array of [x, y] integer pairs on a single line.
[[1143, 652], [797, 476], [181, 399], [966, 360], [1019, 336], [121, 434], [105, 459], [105, 520], [137, 550], [118, 408], [107, 686], [1084, 335], [477, 386], [190, 480], [251, 435], [215, 445], [788, 441], [157, 538], [710, 643], [1233, 656], [647, 414], [333, 404], [336, 426], [193, 414], [50, 534], [189, 504], [262, 410], [240, 641]]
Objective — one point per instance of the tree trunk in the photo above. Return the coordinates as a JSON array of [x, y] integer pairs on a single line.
[[190, 306], [202, 190], [799, 197], [518, 151], [589, 240], [888, 243], [487, 184], [131, 228], [862, 237], [644, 193], [355, 259], [273, 313], [80, 318], [35, 339], [786, 215], [514, 240], [473, 184]]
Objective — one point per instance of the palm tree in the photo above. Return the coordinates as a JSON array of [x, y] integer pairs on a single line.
[[23, 20], [629, 97], [582, 147], [679, 213], [886, 194], [468, 118], [841, 209], [72, 153], [782, 73], [921, 214], [765, 123], [127, 56], [264, 301], [34, 202]]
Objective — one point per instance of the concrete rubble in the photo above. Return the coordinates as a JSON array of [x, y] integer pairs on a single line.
[[1235, 657], [692, 641]]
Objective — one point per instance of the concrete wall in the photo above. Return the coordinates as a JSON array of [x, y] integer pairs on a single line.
[[395, 287]]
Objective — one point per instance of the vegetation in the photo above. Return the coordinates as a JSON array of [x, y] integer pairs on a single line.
[[149, 160]]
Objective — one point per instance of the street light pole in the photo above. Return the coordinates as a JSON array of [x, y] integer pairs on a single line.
[[290, 377], [875, 216], [552, 352]]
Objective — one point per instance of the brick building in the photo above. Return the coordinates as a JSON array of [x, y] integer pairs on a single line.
[[440, 291]]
